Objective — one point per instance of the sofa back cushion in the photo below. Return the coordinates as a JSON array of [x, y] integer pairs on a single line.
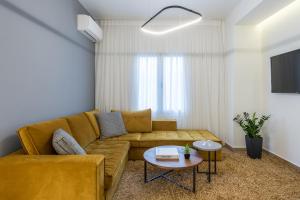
[[137, 121], [36, 139], [91, 115], [81, 128]]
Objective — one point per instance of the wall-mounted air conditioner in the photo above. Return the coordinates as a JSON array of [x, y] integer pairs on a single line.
[[87, 26]]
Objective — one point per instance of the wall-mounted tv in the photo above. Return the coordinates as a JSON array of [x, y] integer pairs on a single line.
[[285, 72]]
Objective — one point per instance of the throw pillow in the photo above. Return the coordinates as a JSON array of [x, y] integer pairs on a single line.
[[65, 144], [111, 124]]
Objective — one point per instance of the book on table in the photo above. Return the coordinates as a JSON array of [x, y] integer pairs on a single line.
[[166, 153]]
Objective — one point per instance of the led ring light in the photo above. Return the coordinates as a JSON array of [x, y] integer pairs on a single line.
[[174, 28]]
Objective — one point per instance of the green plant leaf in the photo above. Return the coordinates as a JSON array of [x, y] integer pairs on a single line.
[[251, 124]]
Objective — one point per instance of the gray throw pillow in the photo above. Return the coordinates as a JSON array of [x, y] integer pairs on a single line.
[[65, 144], [111, 124]]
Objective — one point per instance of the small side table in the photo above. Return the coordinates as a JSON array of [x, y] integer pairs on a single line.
[[209, 147]]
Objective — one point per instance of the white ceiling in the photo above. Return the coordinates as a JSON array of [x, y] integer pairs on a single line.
[[143, 9]]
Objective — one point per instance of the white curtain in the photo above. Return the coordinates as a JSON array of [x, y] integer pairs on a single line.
[[201, 49]]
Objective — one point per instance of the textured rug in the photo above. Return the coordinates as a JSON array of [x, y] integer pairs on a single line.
[[239, 177]]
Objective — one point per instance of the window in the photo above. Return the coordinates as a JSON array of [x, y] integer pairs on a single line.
[[147, 82], [160, 83]]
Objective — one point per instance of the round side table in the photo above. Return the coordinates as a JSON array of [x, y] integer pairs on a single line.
[[209, 147]]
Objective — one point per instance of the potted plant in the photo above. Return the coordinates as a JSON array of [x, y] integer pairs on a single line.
[[187, 152], [252, 126]]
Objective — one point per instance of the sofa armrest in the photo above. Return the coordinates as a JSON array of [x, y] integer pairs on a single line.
[[164, 125], [46, 177]]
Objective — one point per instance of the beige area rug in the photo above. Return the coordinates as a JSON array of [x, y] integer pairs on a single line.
[[239, 177]]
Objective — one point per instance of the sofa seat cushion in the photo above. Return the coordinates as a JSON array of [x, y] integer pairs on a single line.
[[203, 135], [115, 153], [180, 137], [133, 138]]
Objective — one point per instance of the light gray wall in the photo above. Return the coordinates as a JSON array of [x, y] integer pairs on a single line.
[[46, 66]]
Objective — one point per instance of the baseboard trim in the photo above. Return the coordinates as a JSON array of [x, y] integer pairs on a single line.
[[267, 152], [231, 148], [283, 160]]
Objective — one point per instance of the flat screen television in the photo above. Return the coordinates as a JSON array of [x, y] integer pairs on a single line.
[[285, 72]]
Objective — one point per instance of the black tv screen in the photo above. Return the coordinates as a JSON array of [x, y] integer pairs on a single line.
[[285, 72]]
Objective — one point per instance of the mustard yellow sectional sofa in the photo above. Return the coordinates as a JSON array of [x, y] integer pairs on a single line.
[[36, 172]]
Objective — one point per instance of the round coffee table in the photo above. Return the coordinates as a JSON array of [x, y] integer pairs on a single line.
[[172, 165], [208, 146]]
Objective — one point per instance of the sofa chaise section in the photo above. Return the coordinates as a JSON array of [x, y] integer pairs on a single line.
[[165, 132]]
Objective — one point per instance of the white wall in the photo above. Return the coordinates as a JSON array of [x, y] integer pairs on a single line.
[[280, 34], [243, 63], [248, 52]]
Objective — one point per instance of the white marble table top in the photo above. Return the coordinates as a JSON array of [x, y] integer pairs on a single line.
[[207, 145]]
